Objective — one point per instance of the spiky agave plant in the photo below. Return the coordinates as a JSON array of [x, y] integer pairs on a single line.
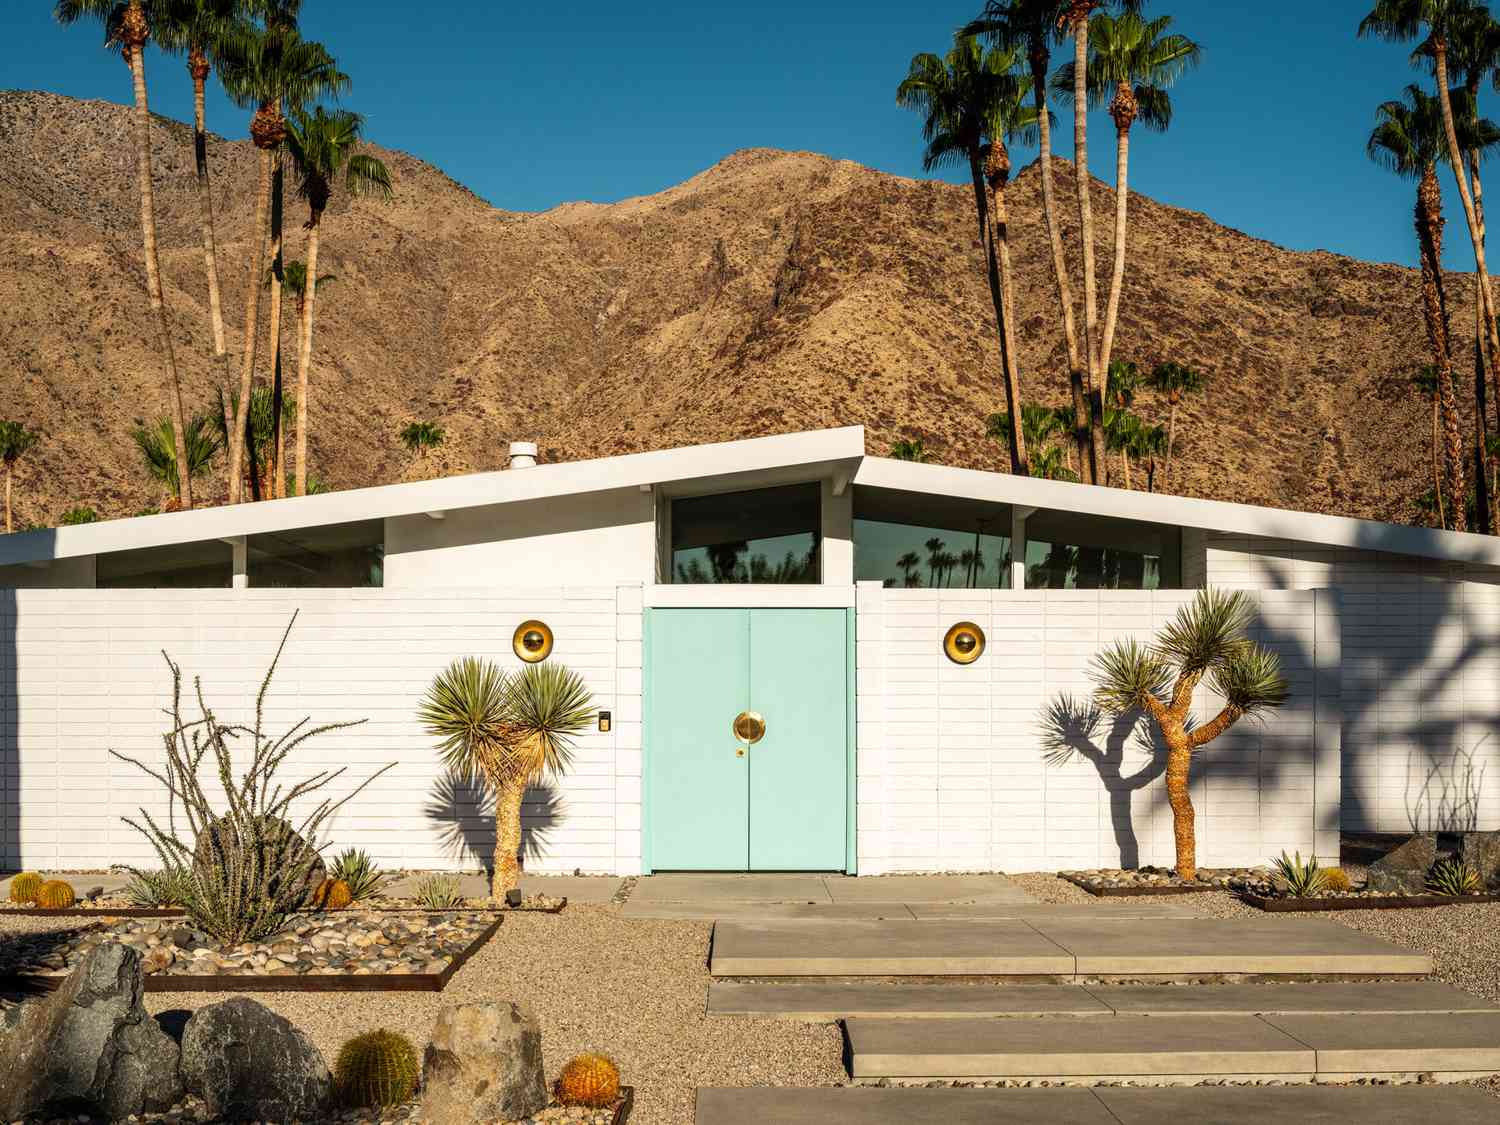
[[1206, 639], [505, 730], [1303, 878]]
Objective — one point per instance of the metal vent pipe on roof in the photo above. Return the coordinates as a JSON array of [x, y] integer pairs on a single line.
[[522, 455]]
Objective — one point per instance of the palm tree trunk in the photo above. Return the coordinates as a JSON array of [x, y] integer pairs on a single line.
[[153, 263], [304, 359], [506, 875], [1124, 111], [1476, 229], [1166, 476], [252, 311], [1093, 374], [1429, 217], [277, 484], [1125, 466], [1086, 468], [198, 67], [1179, 764], [9, 473], [1437, 473], [997, 175], [992, 276], [1487, 503]]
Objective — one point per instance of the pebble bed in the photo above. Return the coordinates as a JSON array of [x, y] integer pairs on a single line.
[[1145, 878], [357, 943], [192, 1111]]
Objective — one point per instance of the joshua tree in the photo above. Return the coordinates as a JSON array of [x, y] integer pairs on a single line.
[[910, 450], [505, 731], [322, 145], [15, 440], [1207, 639], [271, 71], [129, 25], [1408, 139], [1133, 62], [971, 102], [159, 452], [1174, 380], [419, 437]]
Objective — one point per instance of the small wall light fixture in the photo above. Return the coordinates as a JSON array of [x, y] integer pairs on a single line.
[[964, 643], [532, 641], [604, 721]]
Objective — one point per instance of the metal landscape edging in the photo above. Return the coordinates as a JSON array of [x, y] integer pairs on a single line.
[[1381, 902], [1141, 892]]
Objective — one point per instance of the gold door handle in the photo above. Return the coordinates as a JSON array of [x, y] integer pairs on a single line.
[[749, 727]]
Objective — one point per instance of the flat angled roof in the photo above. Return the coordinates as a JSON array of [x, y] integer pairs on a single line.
[[820, 450], [1182, 511]]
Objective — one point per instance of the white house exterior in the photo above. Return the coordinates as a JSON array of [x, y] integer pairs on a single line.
[[791, 576]]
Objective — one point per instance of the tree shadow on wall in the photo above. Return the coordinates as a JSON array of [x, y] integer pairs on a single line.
[[463, 811], [1073, 728]]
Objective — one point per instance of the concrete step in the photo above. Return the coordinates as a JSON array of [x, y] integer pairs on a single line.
[[1296, 1047], [1057, 948], [827, 1001], [1200, 1105]]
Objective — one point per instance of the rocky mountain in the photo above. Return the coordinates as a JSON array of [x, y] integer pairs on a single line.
[[776, 291]]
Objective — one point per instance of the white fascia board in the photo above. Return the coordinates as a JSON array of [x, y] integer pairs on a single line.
[[723, 459], [1182, 511]]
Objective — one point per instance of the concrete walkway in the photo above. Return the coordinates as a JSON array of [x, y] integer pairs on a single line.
[[709, 897], [1199, 1105]]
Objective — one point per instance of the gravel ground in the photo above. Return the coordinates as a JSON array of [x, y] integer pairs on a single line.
[[630, 988]]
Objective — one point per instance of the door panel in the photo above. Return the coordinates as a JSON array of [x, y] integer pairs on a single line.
[[798, 771], [699, 668]]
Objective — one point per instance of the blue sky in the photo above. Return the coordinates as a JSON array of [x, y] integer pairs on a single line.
[[531, 105]]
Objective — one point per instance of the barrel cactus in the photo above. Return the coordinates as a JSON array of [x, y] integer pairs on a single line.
[[24, 888], [55, 894], [378, 1068], [332, 894], [589, 1080]]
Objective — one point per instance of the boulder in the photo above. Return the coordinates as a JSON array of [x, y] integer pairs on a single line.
[[281, 849], [1404, 871], [89, 1046], [248, 1063], [484, 1064], [1481, 851]]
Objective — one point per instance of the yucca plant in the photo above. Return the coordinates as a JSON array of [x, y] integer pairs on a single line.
[[439, 892], [355, 868], [170, 886], [1302, 880], [506, 730], [1454, 877], [1205, 640]]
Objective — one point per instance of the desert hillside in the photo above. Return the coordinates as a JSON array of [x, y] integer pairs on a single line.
[[775, 291]]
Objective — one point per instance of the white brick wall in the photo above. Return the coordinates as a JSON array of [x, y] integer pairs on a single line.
[[952, 773], [81, 673], [1421, 677]]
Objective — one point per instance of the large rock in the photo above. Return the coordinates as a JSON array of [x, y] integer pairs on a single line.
[[1404, 871], [89, 1046], [1481, 852], [484, 1064], [248, 1063], [281, 849]]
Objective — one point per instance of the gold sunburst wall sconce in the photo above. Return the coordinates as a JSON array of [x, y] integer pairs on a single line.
[[964, 643], [532, 641]]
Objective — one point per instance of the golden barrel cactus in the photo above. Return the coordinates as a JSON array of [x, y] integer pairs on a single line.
[[23, 888], [589, 1080], [55, 894], [1336, 879], [378, 1068], [332, 894]]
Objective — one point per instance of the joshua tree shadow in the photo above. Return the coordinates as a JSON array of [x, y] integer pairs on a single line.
[[1449, 796], [1073, 727], [464, 812]]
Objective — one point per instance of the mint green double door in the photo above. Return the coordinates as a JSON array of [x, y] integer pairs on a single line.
[[717, 802]]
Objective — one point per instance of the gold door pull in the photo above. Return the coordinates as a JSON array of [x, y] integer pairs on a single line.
[[749, 727]]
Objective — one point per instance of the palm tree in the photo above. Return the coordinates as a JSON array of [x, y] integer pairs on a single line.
[[1174, 380], [261, 426], [129, 25], [321, 145], [419, 437], [506, 730], [1120, 427], [1147, 443], [909, 450], [935, 555], [1206, 639], [1032, 26], [909, 563], [159, 451], [1425, 380], [1444, 20], [271, 70], [1408, 140], [15, 441], [288, 277], [970, 97], [1132, 63]]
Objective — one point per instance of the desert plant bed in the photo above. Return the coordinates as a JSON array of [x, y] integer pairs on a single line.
[[345, 951], [534, 904], [1362, 900], [1109, 882], [411, 1114], [93, 910]]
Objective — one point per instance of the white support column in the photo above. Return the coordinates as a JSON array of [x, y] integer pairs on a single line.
[[1018, 518], [240, 569]]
